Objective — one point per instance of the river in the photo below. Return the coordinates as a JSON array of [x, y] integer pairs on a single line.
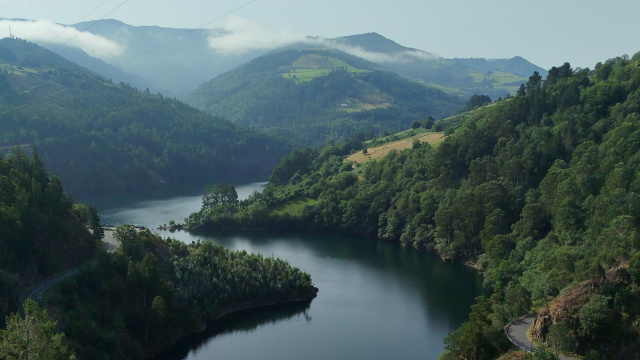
[[376, 300]]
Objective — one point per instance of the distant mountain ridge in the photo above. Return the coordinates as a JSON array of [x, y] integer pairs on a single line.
[[165, 60], [375, 42], [516, 65]]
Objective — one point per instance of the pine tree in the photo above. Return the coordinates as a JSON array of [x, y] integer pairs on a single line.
[[32, 338]]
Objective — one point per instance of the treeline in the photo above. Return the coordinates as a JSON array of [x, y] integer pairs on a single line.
[[100, 137], [311, 113], [150, 292], [540, 191], [41, 231]]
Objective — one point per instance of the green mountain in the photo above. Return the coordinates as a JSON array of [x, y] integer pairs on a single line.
[[541, 192], [175, 61], [492, 77], [41, 232], [312, 96], [98, 136], [176, 64]]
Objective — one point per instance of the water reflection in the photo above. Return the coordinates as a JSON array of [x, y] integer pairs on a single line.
[[243, 322], [376, 301]]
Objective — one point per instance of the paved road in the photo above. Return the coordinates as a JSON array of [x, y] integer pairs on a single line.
[[35, 292], [517, 333]]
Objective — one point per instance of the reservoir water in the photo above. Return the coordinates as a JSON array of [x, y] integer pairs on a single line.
[[376, 300]]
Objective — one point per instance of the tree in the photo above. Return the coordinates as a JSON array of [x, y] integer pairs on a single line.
[[415, 124], [33, 338], [428, 122], [558, 337], [94, 223], [634, 266], [476, 101], [223, 196], [542, 354], [594, 315], [130, 242]]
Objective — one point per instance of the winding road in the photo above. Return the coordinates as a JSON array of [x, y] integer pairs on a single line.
[[36, 292], [109, 243], [517, 333]]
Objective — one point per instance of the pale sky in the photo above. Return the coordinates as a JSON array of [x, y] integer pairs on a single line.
[[545, 32]]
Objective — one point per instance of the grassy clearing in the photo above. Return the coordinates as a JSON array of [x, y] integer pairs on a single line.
[[433, 138], [309, 67], [501, 80], [293, 207], [360, 106], [305, 75]]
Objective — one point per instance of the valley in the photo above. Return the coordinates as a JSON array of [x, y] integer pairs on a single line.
[[444, 198]]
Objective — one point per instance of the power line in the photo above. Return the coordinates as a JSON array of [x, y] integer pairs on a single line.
[[77, 21], [62, 32], [93, 23], [129, 60], [186, 33]]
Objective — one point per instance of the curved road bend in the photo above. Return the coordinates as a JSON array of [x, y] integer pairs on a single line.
[[36, 292], [109, 244], [517, 333]]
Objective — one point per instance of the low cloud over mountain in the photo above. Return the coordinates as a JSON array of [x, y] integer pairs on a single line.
[[240, 36], [48, 33]]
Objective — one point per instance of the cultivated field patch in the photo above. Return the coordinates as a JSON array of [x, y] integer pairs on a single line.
[[378, 152]]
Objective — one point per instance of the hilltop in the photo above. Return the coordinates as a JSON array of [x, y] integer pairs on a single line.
[[175, 61], [312, 96], [466, 77]]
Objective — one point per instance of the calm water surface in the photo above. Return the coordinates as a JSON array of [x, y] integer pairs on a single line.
[[376, 300]]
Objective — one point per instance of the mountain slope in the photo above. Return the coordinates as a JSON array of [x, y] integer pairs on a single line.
[[516, 65], [102, 137], [315, 95], [108, 71], [541, 192], [40, 230], [492, 77], [175, 61]]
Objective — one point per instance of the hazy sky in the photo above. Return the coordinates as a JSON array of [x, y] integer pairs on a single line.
[[545, 32]]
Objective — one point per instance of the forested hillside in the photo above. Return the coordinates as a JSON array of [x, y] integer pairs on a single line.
[[315, 96], [492, 77], [151, 292], [41, 231], [540, 191], [124, 305], [100, 137]]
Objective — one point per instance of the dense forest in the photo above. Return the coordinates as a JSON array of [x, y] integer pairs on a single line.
[[315, 96], [129, 304], [150, 292], [41, 231], [98, 136], [541, 192]]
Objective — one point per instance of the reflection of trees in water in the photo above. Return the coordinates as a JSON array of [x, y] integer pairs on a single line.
[[243, 322]]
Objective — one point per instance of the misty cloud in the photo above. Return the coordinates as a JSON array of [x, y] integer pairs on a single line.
[[45, 32], [241, 36], [401, 57]]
